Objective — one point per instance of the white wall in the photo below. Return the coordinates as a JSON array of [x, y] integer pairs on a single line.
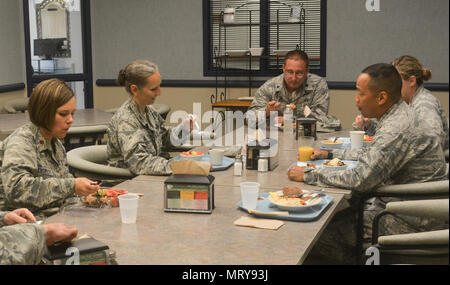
[[12, 52], [170, 33]]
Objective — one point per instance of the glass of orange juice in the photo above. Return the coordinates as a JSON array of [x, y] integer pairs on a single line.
[[305, 148]]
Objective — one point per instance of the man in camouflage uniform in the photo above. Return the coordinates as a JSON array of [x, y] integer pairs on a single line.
[[299, 87], [24, 243], [401, 152], [34, 172], [430, 112], [426, 106]]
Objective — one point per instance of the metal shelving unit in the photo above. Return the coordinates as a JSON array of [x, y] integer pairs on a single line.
[[222, 60]]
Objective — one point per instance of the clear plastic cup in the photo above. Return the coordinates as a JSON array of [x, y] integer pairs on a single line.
[[128, 204], [216, 156], [249, 194], [357, 139]]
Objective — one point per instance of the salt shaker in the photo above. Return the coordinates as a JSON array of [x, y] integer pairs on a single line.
[[263, 162], [288, 119], [238, 165]]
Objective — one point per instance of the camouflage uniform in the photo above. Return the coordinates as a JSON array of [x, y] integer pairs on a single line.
[[313, 93], [35, 173], [136, 141], [21, 244], [402, 152], [429, 109], [369, 128], [2, 201]]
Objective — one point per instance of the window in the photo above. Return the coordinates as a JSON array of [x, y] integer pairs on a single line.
[[276, 26]]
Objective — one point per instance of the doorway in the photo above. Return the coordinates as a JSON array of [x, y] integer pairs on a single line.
[[58, 45]]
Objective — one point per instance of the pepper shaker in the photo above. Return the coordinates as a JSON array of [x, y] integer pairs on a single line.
[[238, 165]]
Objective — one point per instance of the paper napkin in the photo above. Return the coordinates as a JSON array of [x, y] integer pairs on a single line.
[[307, 112], [258, 223]]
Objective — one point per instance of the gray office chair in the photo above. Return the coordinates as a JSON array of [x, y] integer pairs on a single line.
[[16, 105], [162, 109], [419, 248], [90, 162], [84, 136], [414, 191]]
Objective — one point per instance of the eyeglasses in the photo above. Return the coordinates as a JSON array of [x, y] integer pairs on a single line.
[[298, 74]]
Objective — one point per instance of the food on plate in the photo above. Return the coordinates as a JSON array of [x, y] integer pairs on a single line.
[[334, 162], [192, 153], [368, 138], [103, 198], [277, 198], [292, 191], [312, 164]]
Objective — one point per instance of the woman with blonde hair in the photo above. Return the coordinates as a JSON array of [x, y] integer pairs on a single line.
[[425, 105], [34, 169]]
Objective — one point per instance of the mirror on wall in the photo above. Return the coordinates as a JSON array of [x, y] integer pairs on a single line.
[[53, 28]]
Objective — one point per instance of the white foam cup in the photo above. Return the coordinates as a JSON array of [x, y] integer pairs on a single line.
[[357, 139], [216, 156]]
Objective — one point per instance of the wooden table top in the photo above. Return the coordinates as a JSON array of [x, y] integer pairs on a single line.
[[160, 237]]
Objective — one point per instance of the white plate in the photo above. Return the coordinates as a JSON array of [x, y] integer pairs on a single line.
[[319, 163], [331, 145], [316, 202], [281, 52], [246, 98], [236, 52], [335, 168]]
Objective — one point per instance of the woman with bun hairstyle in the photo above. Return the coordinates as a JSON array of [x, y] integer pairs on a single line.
[[138, 140], [425, 105]]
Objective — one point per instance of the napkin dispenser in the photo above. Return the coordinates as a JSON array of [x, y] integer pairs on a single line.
[[306, 127], [256, 148], [189, 193], [85, 251]]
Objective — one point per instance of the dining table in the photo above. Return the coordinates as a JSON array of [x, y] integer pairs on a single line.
[[177, 238], [183, 238]]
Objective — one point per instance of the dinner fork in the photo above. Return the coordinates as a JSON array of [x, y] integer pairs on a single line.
[[320, 193]]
